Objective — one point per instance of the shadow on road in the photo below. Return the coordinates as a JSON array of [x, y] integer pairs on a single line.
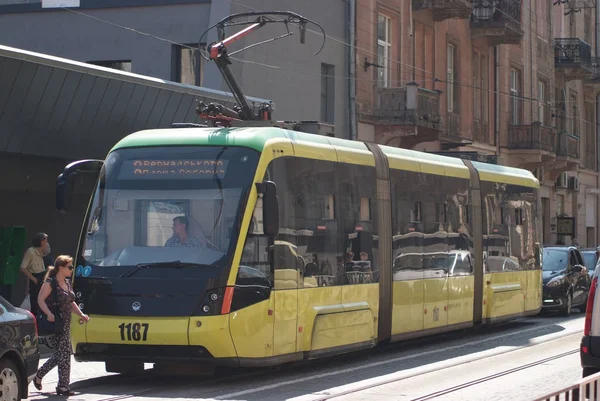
[[312, 377]]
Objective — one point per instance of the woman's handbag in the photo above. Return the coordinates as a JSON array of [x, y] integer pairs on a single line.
[[26, 304], [46, 327]]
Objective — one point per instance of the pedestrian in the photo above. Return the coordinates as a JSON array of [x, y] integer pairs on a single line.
[[33, 267], [58, 277]]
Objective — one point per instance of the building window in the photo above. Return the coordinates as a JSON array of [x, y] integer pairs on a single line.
[[574, 114], [384, 46], [588, 28], [121, 65], [480, 94], [188, 65], [327, 92], [452, 95], [543, 115], [515, 99]]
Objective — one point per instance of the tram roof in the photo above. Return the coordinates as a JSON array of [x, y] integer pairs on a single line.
[[258, 137]]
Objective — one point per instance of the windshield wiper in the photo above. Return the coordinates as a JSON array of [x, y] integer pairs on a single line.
[[174, 264]]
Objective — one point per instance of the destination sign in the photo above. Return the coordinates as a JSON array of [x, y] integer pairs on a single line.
[[177, 169]]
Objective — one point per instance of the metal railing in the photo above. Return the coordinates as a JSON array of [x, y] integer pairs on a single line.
[[481, 132], [534, 136], [571, 52], [568, 145], [413, 105], [586, 389]]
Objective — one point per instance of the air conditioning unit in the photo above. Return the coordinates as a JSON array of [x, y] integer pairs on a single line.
[[539, 174], [561, 181], [573, 184]]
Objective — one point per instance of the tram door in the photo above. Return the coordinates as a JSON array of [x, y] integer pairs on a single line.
[[288, 273]]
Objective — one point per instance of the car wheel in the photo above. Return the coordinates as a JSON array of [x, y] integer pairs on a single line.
[[568, 305], [10, 381]]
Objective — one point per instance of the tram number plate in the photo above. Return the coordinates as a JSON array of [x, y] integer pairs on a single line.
[[134, 331]]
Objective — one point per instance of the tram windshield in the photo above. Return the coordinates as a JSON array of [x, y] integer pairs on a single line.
[[157, 205]]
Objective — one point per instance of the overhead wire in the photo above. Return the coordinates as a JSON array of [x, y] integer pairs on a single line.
[[340, 41]]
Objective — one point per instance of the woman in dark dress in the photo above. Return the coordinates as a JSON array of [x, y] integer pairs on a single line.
[[58, 277]]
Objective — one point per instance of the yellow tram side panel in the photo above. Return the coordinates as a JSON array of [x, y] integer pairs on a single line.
[[533, 300], [339, 316], [504, 295], [252, 328], [429, 303]]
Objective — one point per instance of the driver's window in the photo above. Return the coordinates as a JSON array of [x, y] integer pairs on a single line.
[[155, 222]]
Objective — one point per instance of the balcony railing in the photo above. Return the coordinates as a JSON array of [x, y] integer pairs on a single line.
[[480, 131], [568, 145], [445, 9], [453, 125], [409, 105], [535, 137], [498, 20], [573, 57]]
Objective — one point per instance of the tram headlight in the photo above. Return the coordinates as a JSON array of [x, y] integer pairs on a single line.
[[81, 306], [214, 296], [78, 294], [206, 308]]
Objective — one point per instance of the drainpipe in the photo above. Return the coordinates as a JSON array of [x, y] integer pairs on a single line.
[[531, 86], [352, 69], [496, 102]]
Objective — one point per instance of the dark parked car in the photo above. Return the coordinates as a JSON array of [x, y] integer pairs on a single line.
[[19, 352], [566, 279]]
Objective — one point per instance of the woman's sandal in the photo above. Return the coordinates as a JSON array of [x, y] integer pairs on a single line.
[[37, 383], [64, 391]]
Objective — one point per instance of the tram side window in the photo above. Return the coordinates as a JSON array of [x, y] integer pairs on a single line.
[[256, 249], [357, 225], [407, 227], [521, 207], [495, 230]]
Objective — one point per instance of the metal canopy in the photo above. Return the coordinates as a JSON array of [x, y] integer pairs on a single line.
[[55, 107]]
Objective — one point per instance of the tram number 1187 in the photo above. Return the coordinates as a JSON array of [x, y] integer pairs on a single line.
[[134, 331]]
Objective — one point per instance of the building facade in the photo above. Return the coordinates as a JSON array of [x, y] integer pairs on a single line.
[[157, 39], [513, 82]]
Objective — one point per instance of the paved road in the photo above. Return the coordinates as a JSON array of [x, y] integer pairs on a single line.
[[516, 361]]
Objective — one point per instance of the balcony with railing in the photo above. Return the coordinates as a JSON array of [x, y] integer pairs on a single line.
[[444, 9], [532, 137], [567, 146], [594, 78], [408, 105], [413, 112], [481, 131], [499, 21], [573, 58]]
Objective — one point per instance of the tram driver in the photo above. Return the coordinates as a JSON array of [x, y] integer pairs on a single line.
[[181, 237]]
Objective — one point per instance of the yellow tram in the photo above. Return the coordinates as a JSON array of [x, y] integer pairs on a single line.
[[260, 246]]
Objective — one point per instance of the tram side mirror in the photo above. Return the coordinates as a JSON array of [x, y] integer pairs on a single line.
[[270, 208], [537, 250], [65, 181]]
